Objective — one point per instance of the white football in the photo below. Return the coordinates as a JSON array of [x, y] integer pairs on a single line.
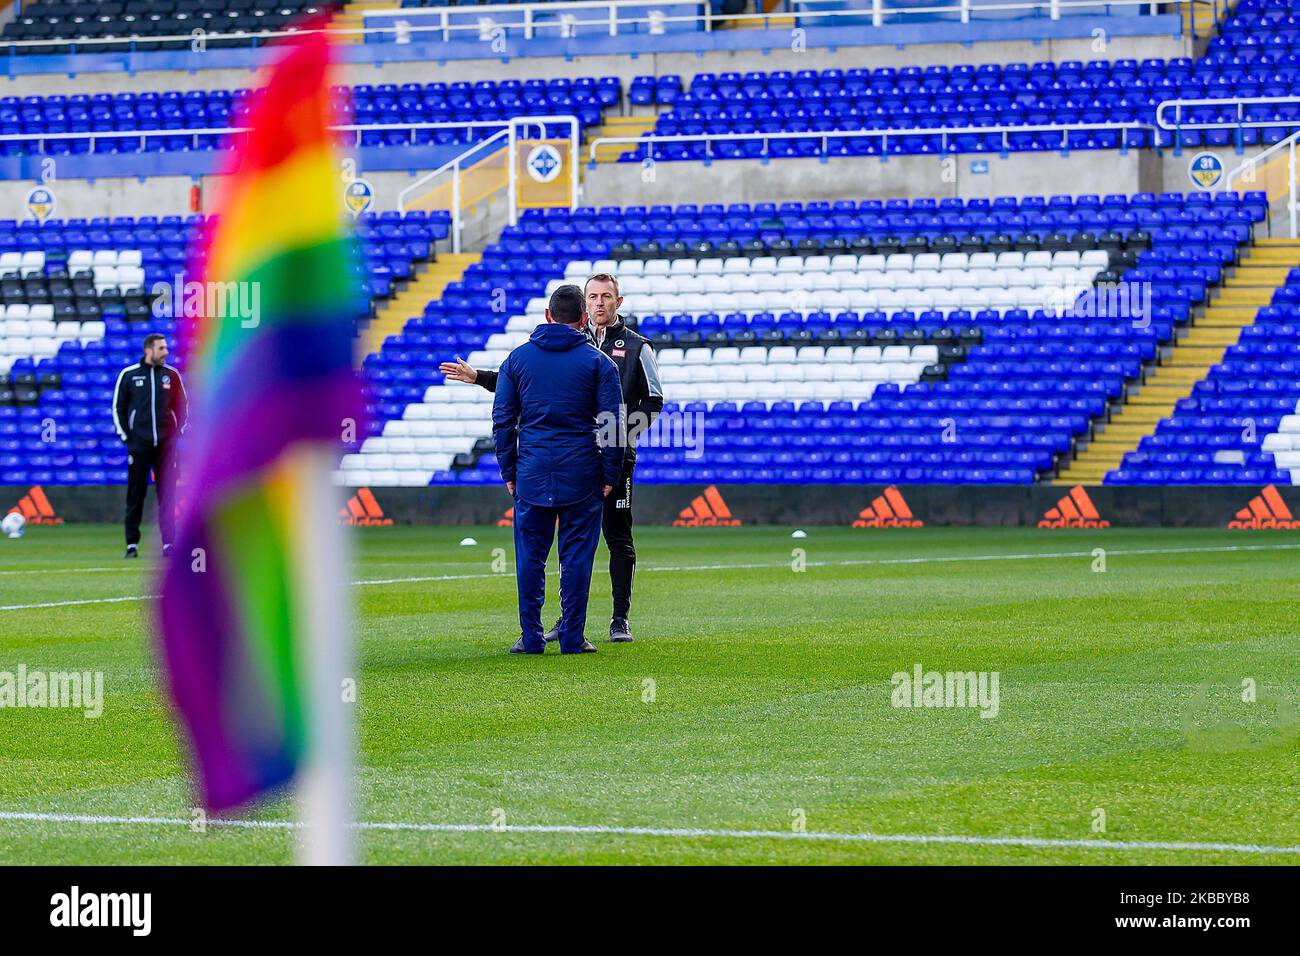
[[13, 524]]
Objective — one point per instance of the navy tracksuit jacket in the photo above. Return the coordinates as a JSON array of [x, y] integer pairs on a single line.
[[557, 397]]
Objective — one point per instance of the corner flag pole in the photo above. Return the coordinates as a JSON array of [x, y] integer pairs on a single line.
[[325, 782]]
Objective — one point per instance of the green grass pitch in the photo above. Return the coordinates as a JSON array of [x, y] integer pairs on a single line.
[[1121, 703]]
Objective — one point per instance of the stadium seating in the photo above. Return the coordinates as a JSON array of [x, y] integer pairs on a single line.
[[934, 97], [1256, 30], [77, 298], [1240, 425], [369, 105], [829, 342], [141, 19]]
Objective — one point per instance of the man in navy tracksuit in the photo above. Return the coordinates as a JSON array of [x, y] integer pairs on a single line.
[[558, 428], [643, 400]]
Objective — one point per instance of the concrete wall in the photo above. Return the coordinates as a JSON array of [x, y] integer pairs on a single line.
[[159, 195], [627, 67], [1019, 174]]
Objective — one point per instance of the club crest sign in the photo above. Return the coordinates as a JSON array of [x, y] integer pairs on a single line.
[[40, 203], [358, 196], [1205, 171], [544, 163]]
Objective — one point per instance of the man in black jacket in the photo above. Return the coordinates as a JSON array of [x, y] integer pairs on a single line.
[[643, 397], [149, 412]]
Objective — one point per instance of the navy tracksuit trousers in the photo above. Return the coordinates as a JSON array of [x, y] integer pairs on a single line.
[[579, 532]]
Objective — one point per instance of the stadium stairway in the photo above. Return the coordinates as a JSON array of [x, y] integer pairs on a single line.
[[771, 23], [621, 126], [1262, 270], [423, 288], [1202, 17], [352, 16]]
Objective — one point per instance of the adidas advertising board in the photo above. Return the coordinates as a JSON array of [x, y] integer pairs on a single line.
[[1047, 507]]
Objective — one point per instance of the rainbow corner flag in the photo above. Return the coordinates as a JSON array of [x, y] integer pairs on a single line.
[[273, 390]]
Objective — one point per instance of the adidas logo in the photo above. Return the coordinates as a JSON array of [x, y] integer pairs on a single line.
[[36, 508], [507, 520], [707, 511], [888, 510], [363, 511], [1075, 510], [1266, 510]]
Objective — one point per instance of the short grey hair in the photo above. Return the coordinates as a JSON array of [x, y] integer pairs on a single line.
[[601, 277]]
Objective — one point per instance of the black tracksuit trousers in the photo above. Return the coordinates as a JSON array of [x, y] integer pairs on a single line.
[[617, 525], [158, 460]]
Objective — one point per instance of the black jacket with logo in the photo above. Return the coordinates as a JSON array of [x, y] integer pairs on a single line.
[[149, 404], [642, 391]]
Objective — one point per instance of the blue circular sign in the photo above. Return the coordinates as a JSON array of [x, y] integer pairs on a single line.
[[1205, 170], [359, 196], [40, 203]]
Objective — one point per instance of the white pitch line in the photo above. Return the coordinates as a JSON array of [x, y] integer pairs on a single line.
[[857, 562], [676, 832], [114, 600], [67, 570], [852, 562]]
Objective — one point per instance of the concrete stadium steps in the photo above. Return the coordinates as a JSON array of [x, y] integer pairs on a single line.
[[768, 23], [1231, 308], [1202, 17], [620, 126], [352, 16], [423, 288]]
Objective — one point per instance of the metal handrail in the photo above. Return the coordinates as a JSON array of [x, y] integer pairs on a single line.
[[878, 11], [1252, 164], [575, 133], [454, 165], [1238, 101], [408, 30], [883, 134], [40, 138]]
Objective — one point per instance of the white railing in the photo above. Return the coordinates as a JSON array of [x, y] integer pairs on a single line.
[[1250, 168], [455, 166], [41, 138], [943, 132], [406, 29], [1240, 103], [511, 130], [524, 16], [525, 122]]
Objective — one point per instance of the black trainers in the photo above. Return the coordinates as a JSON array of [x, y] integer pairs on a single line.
[[586, 648], [619, 632], [519, 648], [132, 551], [553, 634]]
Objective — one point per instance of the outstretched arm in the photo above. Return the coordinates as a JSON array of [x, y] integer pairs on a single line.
[[462, 371]]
